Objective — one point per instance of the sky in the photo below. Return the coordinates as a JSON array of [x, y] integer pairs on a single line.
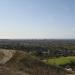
[[37, 19]]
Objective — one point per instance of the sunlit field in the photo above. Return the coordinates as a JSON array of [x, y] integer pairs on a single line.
[[61, 60]]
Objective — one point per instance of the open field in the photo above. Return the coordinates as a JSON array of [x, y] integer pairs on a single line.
[[61, 60]]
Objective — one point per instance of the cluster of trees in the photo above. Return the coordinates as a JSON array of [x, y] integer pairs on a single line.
[[41, 47]]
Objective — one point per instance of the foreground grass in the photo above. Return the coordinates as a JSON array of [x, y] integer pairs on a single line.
[[60, 60]]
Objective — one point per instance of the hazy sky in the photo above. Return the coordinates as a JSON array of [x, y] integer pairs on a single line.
[[37, 19]]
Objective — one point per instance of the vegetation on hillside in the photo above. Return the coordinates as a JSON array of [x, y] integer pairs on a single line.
[[40, 57], [25, 62]]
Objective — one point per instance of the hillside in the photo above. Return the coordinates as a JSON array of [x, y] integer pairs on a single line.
[[9, 71], [22, 63]]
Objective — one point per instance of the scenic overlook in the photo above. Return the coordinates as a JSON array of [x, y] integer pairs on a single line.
[[37, 37]]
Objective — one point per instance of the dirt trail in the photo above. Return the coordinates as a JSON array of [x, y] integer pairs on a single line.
[[6, 55]]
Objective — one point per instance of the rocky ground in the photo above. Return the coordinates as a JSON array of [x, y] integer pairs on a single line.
[[7, 71], [5, 56]]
